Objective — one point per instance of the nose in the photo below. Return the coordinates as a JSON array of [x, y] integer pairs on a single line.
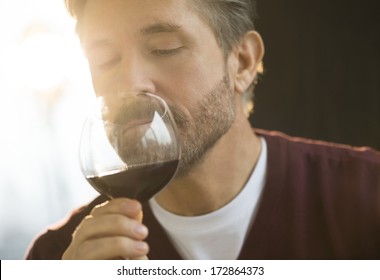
[[131, 77], [134, 77]]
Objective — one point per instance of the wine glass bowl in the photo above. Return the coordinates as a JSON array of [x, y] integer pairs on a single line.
[[130, 149]]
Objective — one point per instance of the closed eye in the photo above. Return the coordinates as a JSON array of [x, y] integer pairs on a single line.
[[109, 62], [166, 52]]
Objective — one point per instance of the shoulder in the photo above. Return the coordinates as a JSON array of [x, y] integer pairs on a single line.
[[318, 169], [297, 148], [324, 198], [343, 178], [53, 242]]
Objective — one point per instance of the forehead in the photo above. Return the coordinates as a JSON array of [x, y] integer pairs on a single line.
[[102, 17]]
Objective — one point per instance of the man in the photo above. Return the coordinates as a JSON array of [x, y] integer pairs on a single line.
[[239, 193]]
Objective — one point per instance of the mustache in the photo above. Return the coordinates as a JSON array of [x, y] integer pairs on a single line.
[[179, 117]]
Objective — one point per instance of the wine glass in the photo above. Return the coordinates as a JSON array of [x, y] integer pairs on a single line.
[[131, 148]]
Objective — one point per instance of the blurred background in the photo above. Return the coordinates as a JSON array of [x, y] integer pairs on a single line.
[[322, 81], [45, 90], [322, 63]]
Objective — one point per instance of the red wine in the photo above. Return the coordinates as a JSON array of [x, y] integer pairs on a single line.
[[138, 182]]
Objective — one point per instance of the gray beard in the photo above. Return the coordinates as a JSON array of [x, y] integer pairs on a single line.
[[212, 118]]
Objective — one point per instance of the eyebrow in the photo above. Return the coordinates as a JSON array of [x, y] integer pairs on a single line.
[[164, 27], [97, 44]]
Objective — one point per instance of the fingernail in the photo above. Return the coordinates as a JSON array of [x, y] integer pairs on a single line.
[[140, 230], [141, 246], [129, 207]]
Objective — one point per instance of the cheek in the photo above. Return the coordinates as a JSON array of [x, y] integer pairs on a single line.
[[188, 82], [104, 84]]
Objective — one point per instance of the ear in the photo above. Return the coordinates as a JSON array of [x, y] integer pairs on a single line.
[[247, 56]]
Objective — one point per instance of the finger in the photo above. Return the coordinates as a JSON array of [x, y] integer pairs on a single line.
[[141, 258], [110, 225], [125, 206], [112, 248], [140, 217]]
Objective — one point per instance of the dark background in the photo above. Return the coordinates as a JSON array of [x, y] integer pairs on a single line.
[[322, 70]]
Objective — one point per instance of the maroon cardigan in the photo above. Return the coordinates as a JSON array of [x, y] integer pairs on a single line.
[[320, 201]]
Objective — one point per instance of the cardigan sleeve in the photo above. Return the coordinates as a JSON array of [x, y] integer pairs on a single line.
[[51, 244]]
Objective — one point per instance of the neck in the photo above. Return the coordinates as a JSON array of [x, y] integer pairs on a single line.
[[219, 177]]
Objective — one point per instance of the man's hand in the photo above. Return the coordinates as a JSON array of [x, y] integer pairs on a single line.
[[113, 230]]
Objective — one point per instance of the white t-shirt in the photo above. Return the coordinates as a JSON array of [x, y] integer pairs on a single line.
[[218, 235]]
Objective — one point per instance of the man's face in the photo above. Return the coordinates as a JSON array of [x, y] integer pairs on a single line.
[[162, 47]]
